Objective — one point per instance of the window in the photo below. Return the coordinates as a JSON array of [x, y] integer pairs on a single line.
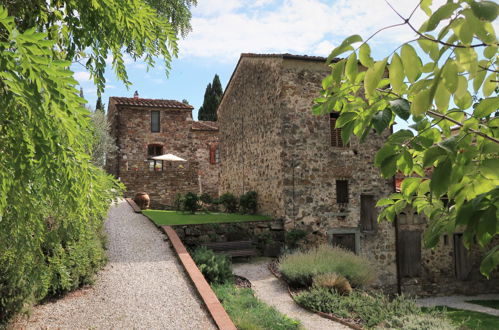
[[155, 121], [336, 140], [341, 191], [214, 154], [347, 238], [367, 213], [155, 150]]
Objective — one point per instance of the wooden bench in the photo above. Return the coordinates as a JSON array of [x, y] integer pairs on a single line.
[[233, 248]]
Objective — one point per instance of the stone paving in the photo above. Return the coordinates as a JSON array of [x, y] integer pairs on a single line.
[[273, 292], [460, 302], [143, 286]]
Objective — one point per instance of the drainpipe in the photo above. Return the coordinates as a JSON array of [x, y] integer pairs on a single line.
[[397, 257]]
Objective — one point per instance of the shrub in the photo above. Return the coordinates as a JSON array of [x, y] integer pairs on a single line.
[[229, 201], [191, 202], [300, 267], [294, 237], [178, 202], [419, 322], [216, 268], [333, 281], [206, 198], [249, 313], [248, 202], [371, 310]]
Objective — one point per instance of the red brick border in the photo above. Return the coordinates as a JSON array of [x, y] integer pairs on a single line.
[[134, 206], [211, 301]]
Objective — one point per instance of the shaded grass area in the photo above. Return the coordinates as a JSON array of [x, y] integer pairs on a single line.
[[172, 218], [485, 303], [469, 319], [249, 313]]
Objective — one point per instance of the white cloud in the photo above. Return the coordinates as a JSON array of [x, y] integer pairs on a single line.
[[222, 29], [82, 77]]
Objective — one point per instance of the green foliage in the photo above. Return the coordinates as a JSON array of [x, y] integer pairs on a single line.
[[294, 237], [212, 97], [206, 198], [465, 319], [99, 106], [419, 322], [370, 309], [229, 202], [248, 202], [299, 268], [450, 95], [249, 313], [88, 31], [216, 268], [178, 202], [190, 202]]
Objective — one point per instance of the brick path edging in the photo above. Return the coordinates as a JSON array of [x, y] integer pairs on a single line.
[[209, 298], [134, 205]]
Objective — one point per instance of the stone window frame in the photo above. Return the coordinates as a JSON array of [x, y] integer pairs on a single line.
[[153, 127], [349, 230]]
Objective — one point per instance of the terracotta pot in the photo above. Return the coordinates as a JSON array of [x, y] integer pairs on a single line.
[[142, 200]]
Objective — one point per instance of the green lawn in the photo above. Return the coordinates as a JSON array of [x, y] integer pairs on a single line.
[[470, 319], [172, 218], [486, 303]]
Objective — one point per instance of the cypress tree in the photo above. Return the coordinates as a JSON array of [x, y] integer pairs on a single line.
[[212, 97], [99, 106]]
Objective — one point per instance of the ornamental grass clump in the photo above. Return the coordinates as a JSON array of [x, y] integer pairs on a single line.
[[299, 268]]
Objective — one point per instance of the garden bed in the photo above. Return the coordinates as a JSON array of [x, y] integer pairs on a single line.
[[175, 218]]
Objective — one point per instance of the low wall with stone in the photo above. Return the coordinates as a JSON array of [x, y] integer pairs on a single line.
[[268, 236]]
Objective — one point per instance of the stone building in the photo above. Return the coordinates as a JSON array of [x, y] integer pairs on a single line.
[[144, 128], [304, 174]]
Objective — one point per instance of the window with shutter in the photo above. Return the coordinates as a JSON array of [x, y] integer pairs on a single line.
[[336, 140], [341, 191]]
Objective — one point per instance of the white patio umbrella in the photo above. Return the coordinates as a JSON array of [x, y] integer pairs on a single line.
[[169, 157]]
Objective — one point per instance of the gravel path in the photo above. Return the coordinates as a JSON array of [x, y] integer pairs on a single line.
[[143, 286], [273, 292], [460, 302]]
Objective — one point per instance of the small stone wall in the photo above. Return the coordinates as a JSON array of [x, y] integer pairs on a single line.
[[268, 236]]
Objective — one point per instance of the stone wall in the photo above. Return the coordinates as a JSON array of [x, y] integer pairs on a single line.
[[131, 126], [266, 235], [311, 167], [272, 143], [250, 134]]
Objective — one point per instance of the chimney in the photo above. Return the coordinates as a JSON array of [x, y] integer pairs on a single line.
[[136, 95]]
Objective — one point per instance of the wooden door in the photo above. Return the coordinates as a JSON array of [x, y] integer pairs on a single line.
[[462, 260], [409, 253], [346, 241]]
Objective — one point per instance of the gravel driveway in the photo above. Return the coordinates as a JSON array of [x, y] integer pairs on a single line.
[[142, 287]]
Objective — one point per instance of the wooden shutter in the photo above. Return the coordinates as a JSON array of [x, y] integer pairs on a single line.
[[367, 213], [213, 150], [409, 253], [336, 140], [346, 241]]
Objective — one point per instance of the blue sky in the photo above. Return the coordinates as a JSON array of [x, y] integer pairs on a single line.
[[223, 29]]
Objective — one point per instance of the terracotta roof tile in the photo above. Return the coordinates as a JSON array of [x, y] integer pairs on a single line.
[[291, 56], [151, 103], [205, 125]]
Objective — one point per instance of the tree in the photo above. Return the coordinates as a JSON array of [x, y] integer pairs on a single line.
[[99, 106], [212, 97], [103, 145], [53, 199], [450, 151]]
